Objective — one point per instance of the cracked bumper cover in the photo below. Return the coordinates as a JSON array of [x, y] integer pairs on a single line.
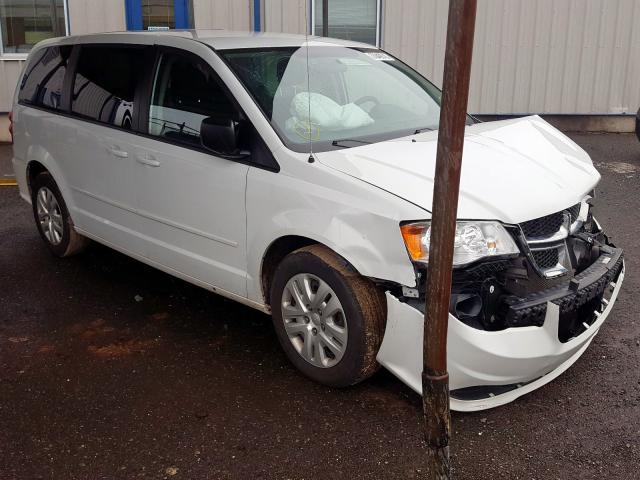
[[516, 360]]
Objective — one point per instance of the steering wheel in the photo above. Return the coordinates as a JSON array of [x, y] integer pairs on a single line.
[[365, 99]]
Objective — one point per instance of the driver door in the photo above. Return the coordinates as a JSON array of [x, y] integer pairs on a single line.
[[191, 202]]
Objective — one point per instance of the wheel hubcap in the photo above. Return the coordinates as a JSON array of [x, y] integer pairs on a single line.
[[314, 320], [49, 216]]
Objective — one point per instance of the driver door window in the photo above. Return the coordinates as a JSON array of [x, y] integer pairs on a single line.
[[185, 92]]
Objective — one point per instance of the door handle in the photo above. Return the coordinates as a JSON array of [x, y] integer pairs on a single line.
[[119, 153], [147, 160]]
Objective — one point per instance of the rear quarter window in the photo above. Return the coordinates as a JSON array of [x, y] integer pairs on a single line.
[[43, 80]]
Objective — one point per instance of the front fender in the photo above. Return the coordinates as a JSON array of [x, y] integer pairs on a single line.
[[358, 221]]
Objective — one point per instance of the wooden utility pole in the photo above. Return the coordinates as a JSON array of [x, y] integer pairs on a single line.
[[455, 93]]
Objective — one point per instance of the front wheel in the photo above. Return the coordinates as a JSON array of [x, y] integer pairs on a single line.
[[329, 319]]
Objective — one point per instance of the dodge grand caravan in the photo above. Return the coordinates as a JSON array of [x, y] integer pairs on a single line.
[[296, 176]]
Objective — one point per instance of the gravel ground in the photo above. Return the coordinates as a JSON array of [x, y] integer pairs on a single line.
[[110, 369]]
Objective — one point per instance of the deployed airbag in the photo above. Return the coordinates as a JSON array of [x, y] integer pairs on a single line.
[[324, 113]]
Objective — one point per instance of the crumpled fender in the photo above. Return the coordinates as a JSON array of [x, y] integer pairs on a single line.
[[358, 221]]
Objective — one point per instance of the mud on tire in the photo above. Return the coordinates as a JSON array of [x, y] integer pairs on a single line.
[[364, 307], [70, 242]]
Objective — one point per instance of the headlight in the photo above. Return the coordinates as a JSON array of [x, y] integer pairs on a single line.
[[474, 240]]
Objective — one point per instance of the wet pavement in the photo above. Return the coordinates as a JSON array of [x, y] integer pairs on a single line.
[[110, 369]]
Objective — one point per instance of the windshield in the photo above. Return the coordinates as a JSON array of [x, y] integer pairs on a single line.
[[351, 96]]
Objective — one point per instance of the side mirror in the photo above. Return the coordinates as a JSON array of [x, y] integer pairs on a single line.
[[222, 137]]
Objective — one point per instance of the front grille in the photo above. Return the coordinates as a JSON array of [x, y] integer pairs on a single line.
[[544, 226], [546, 259], [549, 225]]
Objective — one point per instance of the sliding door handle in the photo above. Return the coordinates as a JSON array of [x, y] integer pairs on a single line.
[[119, 153], [147, 160]]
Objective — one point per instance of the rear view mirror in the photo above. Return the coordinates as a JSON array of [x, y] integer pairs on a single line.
[[222, 137]]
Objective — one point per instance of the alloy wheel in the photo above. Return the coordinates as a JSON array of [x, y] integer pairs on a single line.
[[314, 320], [49, 216]]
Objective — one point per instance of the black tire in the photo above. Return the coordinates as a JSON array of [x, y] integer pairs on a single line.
[[364, 308], [71, 242]]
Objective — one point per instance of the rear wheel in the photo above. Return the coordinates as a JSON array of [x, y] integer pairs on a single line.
[[52, 218], [329, 319]]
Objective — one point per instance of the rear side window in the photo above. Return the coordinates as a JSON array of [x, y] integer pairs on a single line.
[[43, 80], [105, 83], [185, 92]]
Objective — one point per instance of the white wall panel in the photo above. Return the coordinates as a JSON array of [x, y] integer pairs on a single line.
[[95, 16], [9, 75], [531, 56], [287, 16], [227, 14]]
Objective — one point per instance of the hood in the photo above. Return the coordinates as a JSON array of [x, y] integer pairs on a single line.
[[512, 170]]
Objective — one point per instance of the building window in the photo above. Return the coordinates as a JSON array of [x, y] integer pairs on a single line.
[[159, 14], [23, 23], [357, 20]]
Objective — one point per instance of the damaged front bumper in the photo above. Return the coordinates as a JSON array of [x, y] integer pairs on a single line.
[[490, 368]]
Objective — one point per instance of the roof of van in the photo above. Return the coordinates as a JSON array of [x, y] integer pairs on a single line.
[[218, 39]]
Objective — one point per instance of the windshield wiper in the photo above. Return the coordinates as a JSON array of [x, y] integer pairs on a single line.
[[341, 143], [423, 129]]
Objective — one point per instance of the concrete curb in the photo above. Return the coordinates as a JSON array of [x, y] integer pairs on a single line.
[[581, 123]]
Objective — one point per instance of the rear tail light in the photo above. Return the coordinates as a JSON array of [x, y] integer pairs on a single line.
[[11, 126]]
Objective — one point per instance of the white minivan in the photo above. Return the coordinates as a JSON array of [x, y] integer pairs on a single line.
[[295, 176]]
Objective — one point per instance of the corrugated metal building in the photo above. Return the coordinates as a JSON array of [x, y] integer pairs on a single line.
[[530, 56]]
